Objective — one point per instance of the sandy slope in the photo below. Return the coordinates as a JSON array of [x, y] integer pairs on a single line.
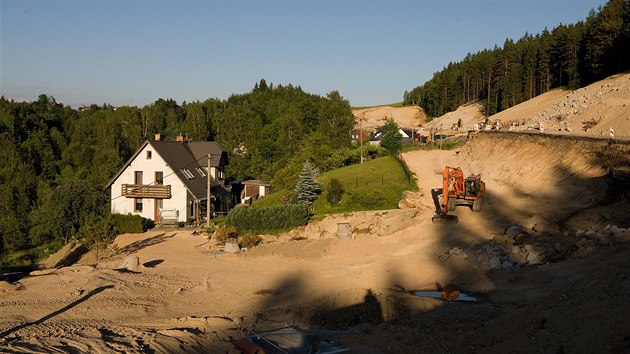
[[588, 111], [374, 117]]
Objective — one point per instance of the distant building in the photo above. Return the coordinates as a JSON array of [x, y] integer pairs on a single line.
[[359, 135]]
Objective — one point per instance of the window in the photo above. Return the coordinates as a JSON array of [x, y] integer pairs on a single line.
[[148, 154], [159, 177], [201, 172], [220, 174], [137, 205], [187, 173], [138, 177]]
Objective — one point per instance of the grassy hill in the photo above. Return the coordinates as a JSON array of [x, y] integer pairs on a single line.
[[373, 185]]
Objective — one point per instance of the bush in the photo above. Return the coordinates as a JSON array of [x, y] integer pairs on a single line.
[[249, 241], [335, 192], [267, 219], [129, 224], [223, 232]]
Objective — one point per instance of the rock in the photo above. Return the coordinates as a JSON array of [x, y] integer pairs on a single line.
[[515, 230], [481, 258], [507, 242], [507, 265], [411, 199], [534, 257], [539, 224], [130, 263], [517, 255], [405, 204], [231, 248], [494, 263]]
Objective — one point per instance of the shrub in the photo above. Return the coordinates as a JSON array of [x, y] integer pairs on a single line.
[[128, 224], [335, 191], [266, 219], [223, 232], [249, 241]]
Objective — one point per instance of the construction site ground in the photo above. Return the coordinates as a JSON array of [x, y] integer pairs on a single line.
[[570, 195]]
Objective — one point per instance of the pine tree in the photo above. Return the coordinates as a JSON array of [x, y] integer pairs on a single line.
[[307, 188]]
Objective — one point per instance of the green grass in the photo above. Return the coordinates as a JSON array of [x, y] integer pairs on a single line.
[[27, 259], [382, 179]]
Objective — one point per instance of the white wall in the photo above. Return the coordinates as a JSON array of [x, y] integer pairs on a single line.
[[180, 196]]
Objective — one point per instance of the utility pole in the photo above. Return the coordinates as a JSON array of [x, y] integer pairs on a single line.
[[209, 205], [361, 137]]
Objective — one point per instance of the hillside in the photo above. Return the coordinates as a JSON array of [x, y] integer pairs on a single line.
[[588, 111], [369, 119]]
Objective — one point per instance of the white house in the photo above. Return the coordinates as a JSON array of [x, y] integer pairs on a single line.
[[170, 179]]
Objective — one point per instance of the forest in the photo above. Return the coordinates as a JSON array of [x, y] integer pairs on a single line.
[[568, 56], [57, 159]]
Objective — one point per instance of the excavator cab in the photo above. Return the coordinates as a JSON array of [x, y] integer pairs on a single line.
[[472, 186]]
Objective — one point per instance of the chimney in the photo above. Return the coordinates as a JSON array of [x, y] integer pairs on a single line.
[[157, 137], [180, 138]]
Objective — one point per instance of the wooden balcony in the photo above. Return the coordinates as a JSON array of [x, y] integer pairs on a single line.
[[157, 191]]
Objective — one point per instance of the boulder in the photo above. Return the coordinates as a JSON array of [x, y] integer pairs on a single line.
[[514, 231], [130, 262], [534, 257], [411, 199]]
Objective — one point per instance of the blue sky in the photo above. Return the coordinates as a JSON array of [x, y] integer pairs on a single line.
[[134, 52]]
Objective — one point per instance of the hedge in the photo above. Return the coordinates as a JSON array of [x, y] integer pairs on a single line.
[[267, 219]]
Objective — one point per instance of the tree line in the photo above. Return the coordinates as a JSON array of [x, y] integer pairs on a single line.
[[56, 160], [568, 56]]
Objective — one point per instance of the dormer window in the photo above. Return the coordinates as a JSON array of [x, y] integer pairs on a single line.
[[187, 173], [149, 153]]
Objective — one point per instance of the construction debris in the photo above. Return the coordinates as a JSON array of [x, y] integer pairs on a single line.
[[289, 340]]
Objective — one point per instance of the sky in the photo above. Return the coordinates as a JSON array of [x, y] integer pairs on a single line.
[[135, 52]]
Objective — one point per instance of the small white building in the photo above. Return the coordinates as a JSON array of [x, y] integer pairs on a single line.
[[170, 178]]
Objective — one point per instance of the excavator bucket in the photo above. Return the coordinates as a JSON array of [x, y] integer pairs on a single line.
[[444, 219]]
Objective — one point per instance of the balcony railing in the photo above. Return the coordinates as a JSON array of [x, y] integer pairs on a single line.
[[157, 191]]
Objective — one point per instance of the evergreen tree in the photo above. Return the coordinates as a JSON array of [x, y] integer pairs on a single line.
[[307, 188]]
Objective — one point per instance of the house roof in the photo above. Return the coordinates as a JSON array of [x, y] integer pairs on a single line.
[[187, 160], [255, 182]]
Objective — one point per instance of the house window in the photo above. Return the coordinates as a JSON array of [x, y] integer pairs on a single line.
[[148, 154], [187, 173], [138, 177], [159, 177], [137, 205], [220, 174], [201, 172]]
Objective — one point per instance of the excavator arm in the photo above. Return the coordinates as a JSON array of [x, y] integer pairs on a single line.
[[450, 181]]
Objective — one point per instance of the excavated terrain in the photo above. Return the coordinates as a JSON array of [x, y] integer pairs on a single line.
[[548, 258]]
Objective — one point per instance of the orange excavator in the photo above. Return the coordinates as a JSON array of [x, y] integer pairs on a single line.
[[457, 190]]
